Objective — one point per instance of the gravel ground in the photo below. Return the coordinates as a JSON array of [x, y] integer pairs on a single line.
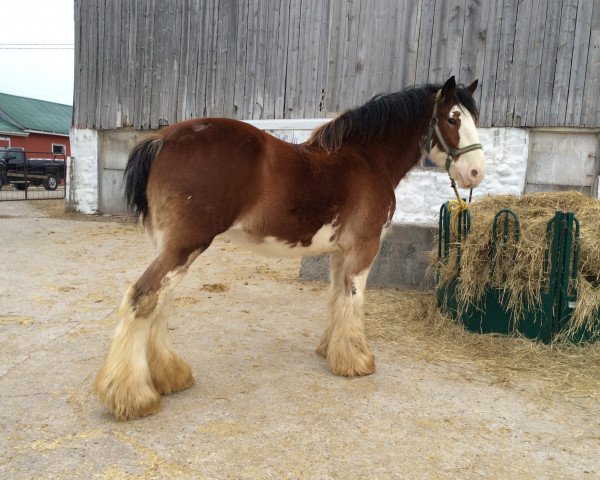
[[264, 404]]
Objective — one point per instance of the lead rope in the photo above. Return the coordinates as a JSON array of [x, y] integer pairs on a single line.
[[457, 206]]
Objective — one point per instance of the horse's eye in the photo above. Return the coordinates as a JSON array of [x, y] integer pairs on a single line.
[[452, 121]]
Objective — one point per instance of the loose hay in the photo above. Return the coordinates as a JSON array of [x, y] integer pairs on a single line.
[[15, 319], [413, 320], [482, 268], [186, 301], [214, 287]]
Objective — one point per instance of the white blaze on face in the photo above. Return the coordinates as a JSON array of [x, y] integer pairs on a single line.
[[468, 171]]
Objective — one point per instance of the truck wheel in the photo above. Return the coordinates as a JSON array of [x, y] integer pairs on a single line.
[[21, 186], [51, 182]]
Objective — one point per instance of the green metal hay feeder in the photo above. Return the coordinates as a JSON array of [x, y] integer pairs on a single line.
[[558, 295]]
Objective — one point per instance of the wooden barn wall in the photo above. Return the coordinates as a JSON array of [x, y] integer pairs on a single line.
[[149, 63]]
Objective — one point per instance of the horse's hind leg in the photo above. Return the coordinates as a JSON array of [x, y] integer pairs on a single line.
[[125, 383], [344, 343], [169, 372]]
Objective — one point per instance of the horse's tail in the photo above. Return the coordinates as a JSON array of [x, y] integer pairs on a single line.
[[137, 173]]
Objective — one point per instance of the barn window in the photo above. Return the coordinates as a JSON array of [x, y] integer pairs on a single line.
[[58, 149]]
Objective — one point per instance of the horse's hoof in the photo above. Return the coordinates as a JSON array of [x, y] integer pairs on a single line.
[[324, 343], [322, 349], [140, 408], [357, 365], [126, 401], [172, 377]]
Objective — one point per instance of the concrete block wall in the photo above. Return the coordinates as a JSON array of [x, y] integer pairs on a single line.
[[402, 261], [114, 148]]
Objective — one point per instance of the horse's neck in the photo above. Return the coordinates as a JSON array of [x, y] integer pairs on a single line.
[[399, 156], [400, 152]]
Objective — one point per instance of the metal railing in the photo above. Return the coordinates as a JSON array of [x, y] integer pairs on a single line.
[[42, 176]]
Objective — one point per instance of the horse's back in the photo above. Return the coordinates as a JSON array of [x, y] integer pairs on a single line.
[[212, 142], [220, 174], [216, 171]]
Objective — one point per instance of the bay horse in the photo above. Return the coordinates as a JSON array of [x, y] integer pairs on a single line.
[[332, 194]]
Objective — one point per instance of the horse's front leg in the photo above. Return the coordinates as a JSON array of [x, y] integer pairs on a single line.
[[336, 289], [344, 343]]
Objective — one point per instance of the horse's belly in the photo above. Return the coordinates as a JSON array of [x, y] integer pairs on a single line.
[[321, 242]]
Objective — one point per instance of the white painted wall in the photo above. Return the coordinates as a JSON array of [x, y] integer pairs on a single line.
[[420, 195], [83, 194]]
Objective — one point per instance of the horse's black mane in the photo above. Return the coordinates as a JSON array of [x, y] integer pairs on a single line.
[[386, 114]]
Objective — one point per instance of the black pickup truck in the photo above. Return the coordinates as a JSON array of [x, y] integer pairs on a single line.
[[20, 171]]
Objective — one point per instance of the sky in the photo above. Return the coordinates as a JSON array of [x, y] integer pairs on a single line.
[[38, 67]]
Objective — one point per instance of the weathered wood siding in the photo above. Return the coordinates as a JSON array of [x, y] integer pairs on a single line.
[[154, 62]]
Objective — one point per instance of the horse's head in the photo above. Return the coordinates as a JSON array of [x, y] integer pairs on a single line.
[[452, 141]]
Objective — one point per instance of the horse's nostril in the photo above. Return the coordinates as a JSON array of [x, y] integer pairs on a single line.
[[474, 173]]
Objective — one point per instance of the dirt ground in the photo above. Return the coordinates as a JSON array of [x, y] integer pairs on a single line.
[[264, 404]]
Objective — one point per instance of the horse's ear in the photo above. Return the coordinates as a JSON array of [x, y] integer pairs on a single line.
[[448, 89], [471, 88]]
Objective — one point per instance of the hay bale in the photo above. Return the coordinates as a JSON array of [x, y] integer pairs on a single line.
[[482, 267]]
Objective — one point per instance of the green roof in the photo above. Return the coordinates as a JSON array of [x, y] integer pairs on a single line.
[[6, 126], [22, 114]]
